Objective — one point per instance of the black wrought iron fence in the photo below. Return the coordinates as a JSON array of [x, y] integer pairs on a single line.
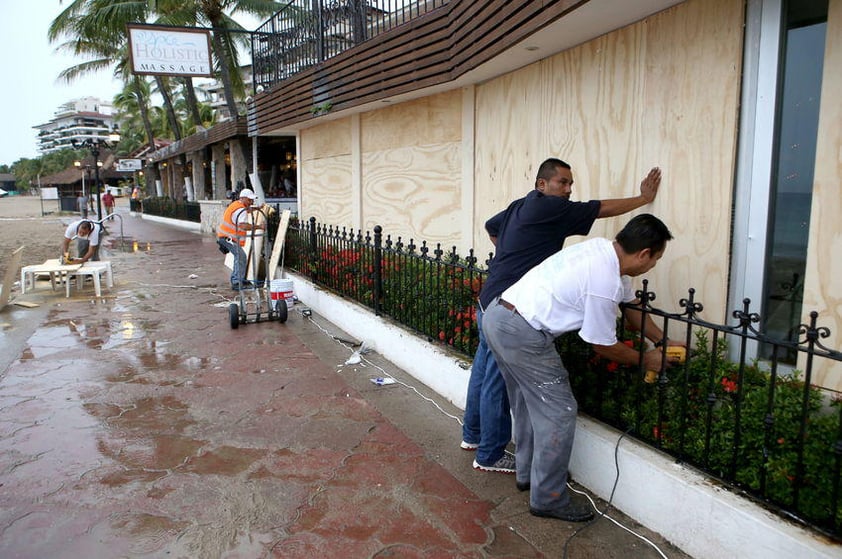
[[306, 32], [426, 289], [763, 428], [164, 206]]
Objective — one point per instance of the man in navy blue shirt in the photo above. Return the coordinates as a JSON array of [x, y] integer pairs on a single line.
[[524, 234]]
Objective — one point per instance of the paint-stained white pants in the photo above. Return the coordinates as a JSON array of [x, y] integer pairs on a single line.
[[543, 405]]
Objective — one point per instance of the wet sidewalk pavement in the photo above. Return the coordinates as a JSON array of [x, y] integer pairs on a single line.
[[141, 425]]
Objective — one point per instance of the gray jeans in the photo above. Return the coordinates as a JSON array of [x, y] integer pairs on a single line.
[[82, 246], [542, 402]]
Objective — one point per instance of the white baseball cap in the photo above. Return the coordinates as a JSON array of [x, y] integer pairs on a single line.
[[248, 193]]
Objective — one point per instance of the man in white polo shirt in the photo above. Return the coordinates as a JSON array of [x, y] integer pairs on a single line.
[[87, 235], [577, 288]]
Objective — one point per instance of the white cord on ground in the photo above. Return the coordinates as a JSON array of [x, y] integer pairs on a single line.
[[615, 521], [458, 420], [397, 381]]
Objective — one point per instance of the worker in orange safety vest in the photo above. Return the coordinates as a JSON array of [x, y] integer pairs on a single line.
[[231, 235]]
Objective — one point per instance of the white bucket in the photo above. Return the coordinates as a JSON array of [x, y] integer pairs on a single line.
[[282, 289]]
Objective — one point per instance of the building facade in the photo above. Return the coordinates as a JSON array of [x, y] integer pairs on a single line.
[[77, 120], [429, 129]]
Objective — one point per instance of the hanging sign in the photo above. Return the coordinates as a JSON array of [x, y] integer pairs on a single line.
[[129, 165], [170, 51]]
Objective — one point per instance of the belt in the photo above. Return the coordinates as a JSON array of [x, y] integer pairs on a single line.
[[506, 305]]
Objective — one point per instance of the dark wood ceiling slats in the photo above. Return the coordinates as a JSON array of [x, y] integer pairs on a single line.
[[430, 50]]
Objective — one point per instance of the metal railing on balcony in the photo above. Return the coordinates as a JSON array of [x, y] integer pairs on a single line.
[[307, 32], [762, 429]]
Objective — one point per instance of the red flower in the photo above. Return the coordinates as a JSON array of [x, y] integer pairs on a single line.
[[612, 366], [441, 335], [729, 385]]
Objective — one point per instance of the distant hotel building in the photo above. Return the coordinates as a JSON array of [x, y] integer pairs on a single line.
[[80, 119], [216, 92]]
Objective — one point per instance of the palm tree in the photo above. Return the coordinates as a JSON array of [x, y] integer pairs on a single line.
[[216, 15], [132, 104], [97, 29]]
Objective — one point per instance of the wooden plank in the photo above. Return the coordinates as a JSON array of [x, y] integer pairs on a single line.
[[9, 276], [279, 244]]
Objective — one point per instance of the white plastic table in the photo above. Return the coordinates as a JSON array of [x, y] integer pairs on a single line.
[[51, 267], [66, 272], [93, 269]]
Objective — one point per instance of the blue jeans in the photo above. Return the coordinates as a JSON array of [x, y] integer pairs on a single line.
[[487, 421], [542, 402], [239, 271]]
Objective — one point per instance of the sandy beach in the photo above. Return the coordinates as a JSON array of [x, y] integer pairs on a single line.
[[35, 225]]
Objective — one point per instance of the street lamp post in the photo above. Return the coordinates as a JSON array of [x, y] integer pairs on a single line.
[[84, 169], [94, 144]]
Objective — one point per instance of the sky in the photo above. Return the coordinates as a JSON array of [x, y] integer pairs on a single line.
[[32, 91]]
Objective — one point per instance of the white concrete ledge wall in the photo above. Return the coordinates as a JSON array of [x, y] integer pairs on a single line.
[[444, 373], [702, 519], [180, 223]]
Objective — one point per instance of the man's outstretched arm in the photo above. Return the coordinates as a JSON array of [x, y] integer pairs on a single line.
[[648, 191]]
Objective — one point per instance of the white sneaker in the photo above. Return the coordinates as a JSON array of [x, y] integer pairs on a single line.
[[468, 446], [505, 465]]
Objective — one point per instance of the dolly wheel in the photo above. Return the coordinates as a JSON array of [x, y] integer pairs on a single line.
[[234, 315], [281, 310]]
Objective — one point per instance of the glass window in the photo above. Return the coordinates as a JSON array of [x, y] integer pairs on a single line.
[[792, 177]]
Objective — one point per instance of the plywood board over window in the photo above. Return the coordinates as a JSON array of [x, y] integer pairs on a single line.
[[327, 192], [412, 167], [662, 92], [823, 287]]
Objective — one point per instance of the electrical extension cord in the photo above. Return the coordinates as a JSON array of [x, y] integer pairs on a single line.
[[459, 421], [604, 512]]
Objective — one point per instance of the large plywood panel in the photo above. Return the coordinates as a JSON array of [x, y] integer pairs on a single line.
[[325, 161], [691, 95], [823, 282], [326, 140], [663, 92], [432, 120], [595, 95], [328, 198], [414, 192], [411, 167], [510, 133]]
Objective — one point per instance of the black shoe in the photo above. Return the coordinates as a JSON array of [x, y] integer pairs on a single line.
[[522, 485], [571, 513]]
